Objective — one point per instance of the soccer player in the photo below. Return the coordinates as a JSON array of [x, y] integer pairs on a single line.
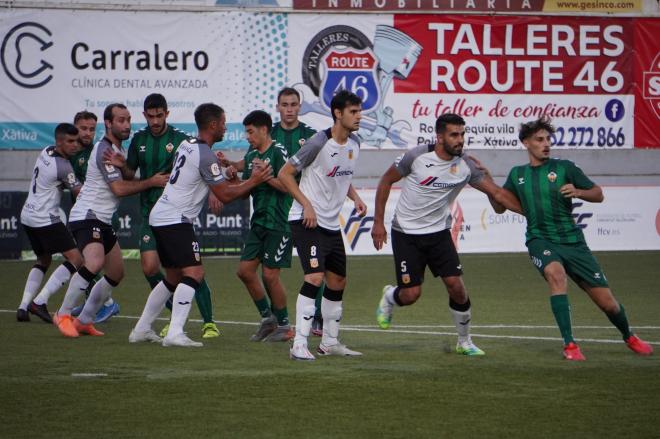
[[151, 151], [434, 175], [41, 219], [269, 240], [546, 188], [90, 223], [196, 169], [327, 163]]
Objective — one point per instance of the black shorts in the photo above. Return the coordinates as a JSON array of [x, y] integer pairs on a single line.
[[413, 253], [177, 245], [49, 240], [319, 249], [89, 231]]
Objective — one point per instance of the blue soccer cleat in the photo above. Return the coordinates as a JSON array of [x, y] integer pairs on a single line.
[[106, 312]]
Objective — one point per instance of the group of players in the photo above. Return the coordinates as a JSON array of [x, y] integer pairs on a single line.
[[298, 180]]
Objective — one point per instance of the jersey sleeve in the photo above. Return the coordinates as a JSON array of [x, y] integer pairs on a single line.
[[279, 158], [403, 164], [247, 165], [66, 175], [108, 171], [577, 176], [132, 158], [209, 167], [476, 174], [508, 184], [306, 155]]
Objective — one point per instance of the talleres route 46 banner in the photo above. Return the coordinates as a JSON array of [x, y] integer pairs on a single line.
[[598, 79]]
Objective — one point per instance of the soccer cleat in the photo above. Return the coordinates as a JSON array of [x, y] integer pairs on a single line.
[[300, 352], [639, 346], [468, 348], [75, 312], [384, 310], [144, 336], [572, 352], [22, 315], [106, 312], [40, 311], [281, 333], [65, 325], [317, 326], [210, 330], [267, 326], [163, 332], [181, 340], [337, 349], [88, 328]]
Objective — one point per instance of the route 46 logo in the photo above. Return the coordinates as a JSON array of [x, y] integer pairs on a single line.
[[351, 69]]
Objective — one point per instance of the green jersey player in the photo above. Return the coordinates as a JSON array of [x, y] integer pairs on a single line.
[[546, 188]]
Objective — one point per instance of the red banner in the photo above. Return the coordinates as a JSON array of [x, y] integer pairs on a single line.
[[647, 80]]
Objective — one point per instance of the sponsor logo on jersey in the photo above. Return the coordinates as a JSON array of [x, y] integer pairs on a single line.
[[432, 182], [169, 147], [337, 173], [552, 177]]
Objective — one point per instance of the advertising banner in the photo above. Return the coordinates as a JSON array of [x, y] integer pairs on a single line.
[[56, 63], [496, 72]]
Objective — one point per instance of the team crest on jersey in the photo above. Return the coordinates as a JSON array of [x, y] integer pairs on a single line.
[[301, 142], [405, 278], [81, 161], [453, 169], [314, 262], [169, 147], [198, 257], [350, 154], [552, 177], [71, 178], [146, 239], [143, 148], [96, 233], [346, 67]]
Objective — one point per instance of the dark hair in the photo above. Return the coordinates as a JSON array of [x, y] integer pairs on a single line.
[[343, 99], [258, 118], [288, 91], [207, 113], [155, 100], [84, 115], [447, 119], [107, 113], [65, 128], [528, 129]]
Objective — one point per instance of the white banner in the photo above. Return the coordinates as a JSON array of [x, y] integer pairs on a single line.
[[628, 219]]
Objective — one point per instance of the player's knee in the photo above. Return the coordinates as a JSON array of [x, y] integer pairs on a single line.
[[270, 276], [555, 275], [245, 274], [150, 268], [408, 296], [44, 260], [314, 278], [75, 258]]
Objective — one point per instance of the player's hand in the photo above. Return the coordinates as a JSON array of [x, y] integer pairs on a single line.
[[309, 216], [379, 235], [360, 207], [262, 173], [569, 191], [159, 180], [215, 205], [113, 158], [480, 166], [224, 161], [258, 163], [231, 174]]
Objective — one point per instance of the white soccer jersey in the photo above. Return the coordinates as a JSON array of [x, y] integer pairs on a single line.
[[195, 167], [51, 174], [430, 187], [327, 171], [96, 200]]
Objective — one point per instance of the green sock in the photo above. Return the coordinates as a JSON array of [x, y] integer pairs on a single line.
[[155, 279], [263, 306], [318, 300], [562, 311], [203, 299], [282, 316], [621, 322]]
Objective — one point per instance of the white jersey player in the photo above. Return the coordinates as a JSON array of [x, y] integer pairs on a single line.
[[327, 163], [434, 176], [43, 224]]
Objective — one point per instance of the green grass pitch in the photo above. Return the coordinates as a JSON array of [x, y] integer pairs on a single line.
[[405, 386]]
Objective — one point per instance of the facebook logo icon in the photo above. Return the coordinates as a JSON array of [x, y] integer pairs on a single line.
[[614, 110]]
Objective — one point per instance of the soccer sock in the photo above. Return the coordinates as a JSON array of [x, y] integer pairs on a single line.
[[331, 309], [102, 289], [263, 306], [155, 304], [317, 302], [203, 299], [34, 279], [109, 301], [60, 276], [155, 279], [305, 310], [462, 315], [621, 322], [77, 287], [282, 316], [562, 311], [182, 301], [392, 296]]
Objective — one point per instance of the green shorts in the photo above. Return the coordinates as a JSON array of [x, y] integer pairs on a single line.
[[577, 260], [147, 239], [273, 248]]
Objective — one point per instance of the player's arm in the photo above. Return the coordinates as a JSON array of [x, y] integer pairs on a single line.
[[287, 177], [67, 176], [378, 232], [225, 162], [497, 207], [593, 195], [359, 205], [110, 157], [502, 199], [227, 191], [123, 188]]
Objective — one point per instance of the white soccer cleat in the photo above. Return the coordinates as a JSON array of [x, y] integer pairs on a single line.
[[144, 336], [384, 310], [468, 348], [337, 349], [181, 340], [300, 352]]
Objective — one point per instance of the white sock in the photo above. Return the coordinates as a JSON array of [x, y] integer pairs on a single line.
[[153, 307], [389, 296], [31, 287], [331, 311], [100, 292], [462, 322], [109, 302], [60, 276], [305, 310], [181, 303], [77, 287]]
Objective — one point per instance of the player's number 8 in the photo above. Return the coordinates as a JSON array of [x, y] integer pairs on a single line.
[[180, 160]]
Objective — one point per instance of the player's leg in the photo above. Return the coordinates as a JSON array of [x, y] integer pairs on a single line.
[[159, 295], [277, 255], [35, 276]]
